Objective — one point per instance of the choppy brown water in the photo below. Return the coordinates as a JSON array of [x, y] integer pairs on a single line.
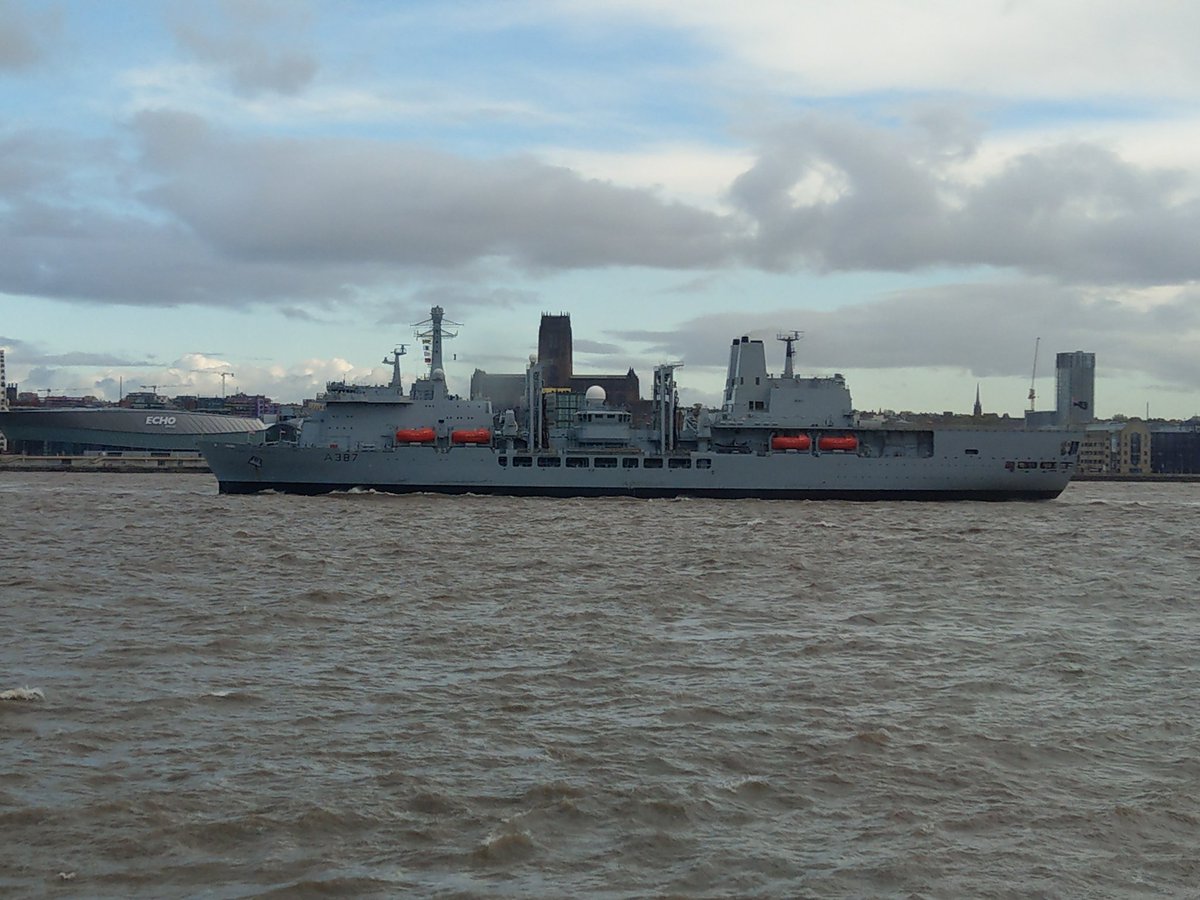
[[372, 695]]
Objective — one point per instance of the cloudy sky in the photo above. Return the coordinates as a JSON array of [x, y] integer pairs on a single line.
[[282, 189]]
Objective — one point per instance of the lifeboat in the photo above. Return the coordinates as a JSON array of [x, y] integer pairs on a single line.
[[471, 436], [791, 442], [837, 442], [415, 435]]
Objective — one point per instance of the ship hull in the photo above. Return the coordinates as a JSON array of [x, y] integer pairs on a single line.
[[968, 465]]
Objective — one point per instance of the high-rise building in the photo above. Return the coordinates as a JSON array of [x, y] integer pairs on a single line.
[[1075, 380], [555, 350]]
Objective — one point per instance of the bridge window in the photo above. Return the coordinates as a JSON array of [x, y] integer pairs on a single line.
[[577, 462], [630, 462], [679, 464], [519, 461], [652, 463], [605, 462], [549, 462]]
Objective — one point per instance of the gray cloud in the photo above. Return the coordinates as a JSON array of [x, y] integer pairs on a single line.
[[891, 201], [583, 345], [412, 306], [112, 249], [27, 353], [235, 40], [81, 358], [59, 380], [363, 202], [296, 314], [25, 35], [10, 343], [205, 218]]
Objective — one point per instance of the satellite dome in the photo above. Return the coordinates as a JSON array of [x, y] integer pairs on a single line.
[[595, 395], [438, 375]]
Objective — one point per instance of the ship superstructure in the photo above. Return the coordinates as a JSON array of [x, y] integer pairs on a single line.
[[774, 436]]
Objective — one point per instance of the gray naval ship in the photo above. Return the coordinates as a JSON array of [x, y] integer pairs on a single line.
[[774, 437]]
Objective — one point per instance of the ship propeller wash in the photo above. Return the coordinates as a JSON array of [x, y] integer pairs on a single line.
[[774, 437]]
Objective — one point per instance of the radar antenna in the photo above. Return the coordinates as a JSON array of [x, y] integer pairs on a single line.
[[394, 362], [789, 338], [1033, 393]]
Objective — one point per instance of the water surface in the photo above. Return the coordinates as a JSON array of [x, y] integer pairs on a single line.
[[376, 695]]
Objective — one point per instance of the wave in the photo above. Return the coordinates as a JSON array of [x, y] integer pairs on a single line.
[[509, 845], [877, 736], [230, 694], [26, 694]]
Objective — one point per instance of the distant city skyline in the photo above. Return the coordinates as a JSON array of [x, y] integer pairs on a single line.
[[280, 190]]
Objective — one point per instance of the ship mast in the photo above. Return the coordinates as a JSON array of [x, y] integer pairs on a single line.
[[1032, 393], [433, 336], [394, 362], [789, 338]]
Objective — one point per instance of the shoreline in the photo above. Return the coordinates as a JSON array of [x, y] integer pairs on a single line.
[[179, 465]]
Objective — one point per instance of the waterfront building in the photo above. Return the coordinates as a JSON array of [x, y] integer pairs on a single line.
[[1175, 448], [37, 431], [1116, 448]]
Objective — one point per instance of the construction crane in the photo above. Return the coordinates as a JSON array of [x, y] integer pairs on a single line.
[[155, 387], [1032, 393], [211, 371]]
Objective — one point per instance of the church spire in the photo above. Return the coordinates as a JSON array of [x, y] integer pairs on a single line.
[[978, 405]]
